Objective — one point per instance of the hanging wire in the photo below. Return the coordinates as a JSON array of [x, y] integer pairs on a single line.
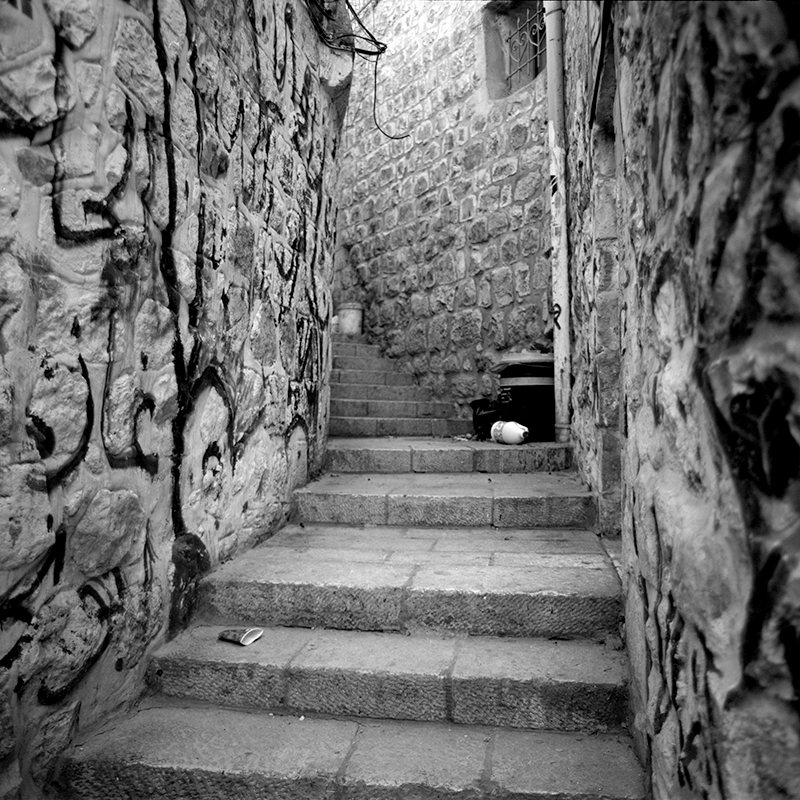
[[346, 42]]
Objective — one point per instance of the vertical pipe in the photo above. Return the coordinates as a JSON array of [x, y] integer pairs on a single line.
[[553, 17]]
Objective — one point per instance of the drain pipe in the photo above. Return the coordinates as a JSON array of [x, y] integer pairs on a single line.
[[553, 18]]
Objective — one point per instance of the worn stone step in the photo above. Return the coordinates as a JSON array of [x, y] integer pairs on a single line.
[[366, 391], [421, 591], [339, 339], [479, 546], [382, 377], [347, 348], [520, 683], [398, 426], [362, 362], [397, 408], [555, 500], [443, 455], [189, 753]]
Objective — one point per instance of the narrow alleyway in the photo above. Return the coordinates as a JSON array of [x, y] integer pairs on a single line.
[[193, 193], [448, 623]]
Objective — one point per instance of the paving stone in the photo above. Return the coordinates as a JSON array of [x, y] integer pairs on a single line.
[[184, 753], [448, 455], [306, 592], [521, 683], [508, 601], [447, 499], [372, 675], [197, 665], [526, 683], [408, 759], [552, 765]]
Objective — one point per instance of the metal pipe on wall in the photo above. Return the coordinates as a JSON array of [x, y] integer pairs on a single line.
[[553, 17]]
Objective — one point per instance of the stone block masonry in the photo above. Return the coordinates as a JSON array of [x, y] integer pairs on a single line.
[[443, 234], [166, 224], [698, 353]]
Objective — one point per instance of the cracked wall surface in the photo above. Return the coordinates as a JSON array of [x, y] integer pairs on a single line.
[[706, 203], [444, 234], [166, 226]]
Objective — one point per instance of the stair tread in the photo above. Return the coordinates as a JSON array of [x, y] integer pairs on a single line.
[[281, 566], [523, 683], [390, 543], [444, 484], [520, 659], [412, 443], [191, 752], [426, 454]]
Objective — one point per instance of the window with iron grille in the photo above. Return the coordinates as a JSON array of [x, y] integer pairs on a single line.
[[515, 44]]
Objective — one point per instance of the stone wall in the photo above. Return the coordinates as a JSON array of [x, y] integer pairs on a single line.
[[595, 289], [706, 190], [166, 227], [444, 234]]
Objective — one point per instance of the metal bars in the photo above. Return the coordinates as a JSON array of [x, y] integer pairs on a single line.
[[526, 45]]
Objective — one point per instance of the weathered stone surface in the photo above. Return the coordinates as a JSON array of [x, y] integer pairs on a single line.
[[128, 290], [7, 738], [58, 409], [702, 378], [29, 93], [74, 22], [491, 165], [9, 203], [112, 527], [135, 64], [25, 532]]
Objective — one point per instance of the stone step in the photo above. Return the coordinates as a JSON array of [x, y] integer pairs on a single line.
[[398, 426], [189, 753], [367, 391], [519, 683], [355, 349], [461, 581], [556, 500], [397, 408], [383, 377], [410, 454], [362, 362], [339, 339]]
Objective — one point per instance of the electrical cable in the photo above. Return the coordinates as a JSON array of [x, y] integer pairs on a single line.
[[336, 43]]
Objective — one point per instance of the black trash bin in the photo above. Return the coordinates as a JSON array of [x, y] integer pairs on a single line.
[[527, 393]]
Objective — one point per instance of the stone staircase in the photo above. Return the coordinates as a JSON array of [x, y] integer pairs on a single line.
[[439, 623], [370, 397]]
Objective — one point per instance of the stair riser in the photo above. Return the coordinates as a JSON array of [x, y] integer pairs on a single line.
[[120, 781], [485, 701], [500, 512], [508, 460], [367, 361], [366, 391], [369, 427], [399, 609], [352, 349], [376, 377], [390, 408]]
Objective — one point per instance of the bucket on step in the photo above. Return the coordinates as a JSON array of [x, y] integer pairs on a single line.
[[350, 315]]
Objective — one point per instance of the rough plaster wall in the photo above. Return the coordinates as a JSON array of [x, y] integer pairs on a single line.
[[709, 219], [166, 219], [444, 233]]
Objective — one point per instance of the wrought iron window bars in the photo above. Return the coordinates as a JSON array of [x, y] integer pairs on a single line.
[[526, 45]]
